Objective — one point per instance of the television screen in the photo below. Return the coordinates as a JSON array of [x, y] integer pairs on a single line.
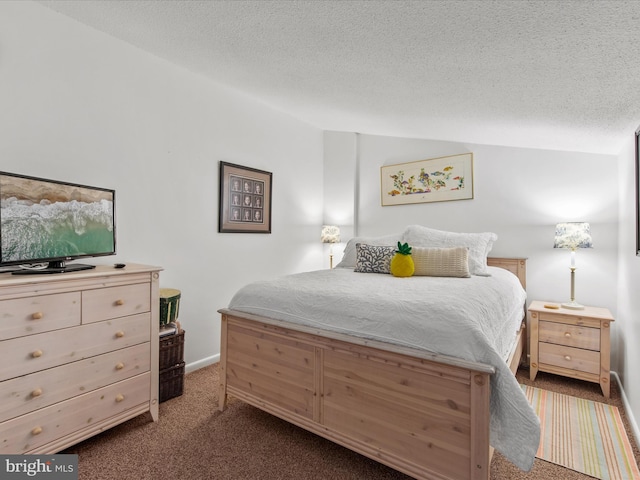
[[49, 221]]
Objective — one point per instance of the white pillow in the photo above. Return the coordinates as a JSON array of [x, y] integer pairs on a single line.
[[441, 262], [349, 256], [479, 244]]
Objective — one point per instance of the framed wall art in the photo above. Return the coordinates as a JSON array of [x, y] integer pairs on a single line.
[[245, 200], [435, 180]]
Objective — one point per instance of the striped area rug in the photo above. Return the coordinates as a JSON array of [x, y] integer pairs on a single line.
[[582, 435]]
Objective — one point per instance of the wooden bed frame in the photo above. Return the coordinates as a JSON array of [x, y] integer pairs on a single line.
[[423, 414]]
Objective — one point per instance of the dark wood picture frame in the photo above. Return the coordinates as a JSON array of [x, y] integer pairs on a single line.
[[637, 191], [245, 199]]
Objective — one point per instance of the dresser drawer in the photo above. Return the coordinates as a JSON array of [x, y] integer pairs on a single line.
[[114, 302], [28, 432], [38, 390], [26, 316], [568, 357], [24, 355], [569, 335]]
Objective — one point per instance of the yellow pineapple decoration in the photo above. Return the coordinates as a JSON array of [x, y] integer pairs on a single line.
[[402, 263]]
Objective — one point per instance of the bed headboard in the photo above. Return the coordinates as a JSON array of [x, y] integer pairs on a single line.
[[517, 266]]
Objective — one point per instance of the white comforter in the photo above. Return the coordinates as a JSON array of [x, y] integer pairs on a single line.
[[471, 318]]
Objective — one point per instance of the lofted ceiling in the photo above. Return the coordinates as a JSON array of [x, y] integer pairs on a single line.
[[554, 74]]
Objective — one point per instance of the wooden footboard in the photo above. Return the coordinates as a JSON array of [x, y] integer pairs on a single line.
[[424, 414], [427, 417]]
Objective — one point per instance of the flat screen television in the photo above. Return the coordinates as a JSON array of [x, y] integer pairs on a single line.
[[45, 224]]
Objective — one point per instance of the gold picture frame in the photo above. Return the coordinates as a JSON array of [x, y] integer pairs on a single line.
[[439, 179]]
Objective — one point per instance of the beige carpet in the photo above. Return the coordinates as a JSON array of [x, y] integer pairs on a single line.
[[193, 441]]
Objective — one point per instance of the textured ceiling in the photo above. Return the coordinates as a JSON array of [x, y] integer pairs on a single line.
[[544, 74]]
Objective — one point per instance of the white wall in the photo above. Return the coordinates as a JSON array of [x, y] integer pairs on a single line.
[[340, 188], [628, 319], [80, 106], [520, 194]]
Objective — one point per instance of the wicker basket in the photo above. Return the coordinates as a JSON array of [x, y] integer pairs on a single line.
[[171, 350], [171, 382]]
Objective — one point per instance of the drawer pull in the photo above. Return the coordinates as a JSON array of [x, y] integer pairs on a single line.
[[119, 302], [37, 315], [36, 431], [119, 334], [567, 358], [119, 366], [36, 393], [36, 354], [119, 397], [567, 335]]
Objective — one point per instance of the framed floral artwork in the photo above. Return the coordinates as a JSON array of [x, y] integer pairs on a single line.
[[245, 200], [435, 180]]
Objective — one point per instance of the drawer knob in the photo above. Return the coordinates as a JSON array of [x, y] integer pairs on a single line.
[[119, 366], [37, 315], [119, 397], [36, 354], [119, 302], [119, 334], [36, 431], [36, 393], [567, 358], [567, 335]]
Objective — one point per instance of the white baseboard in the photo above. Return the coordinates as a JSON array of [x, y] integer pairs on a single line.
[[205, 362], [627, 408]]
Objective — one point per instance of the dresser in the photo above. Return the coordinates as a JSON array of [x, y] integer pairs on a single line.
[[573, 343], [78, 355]]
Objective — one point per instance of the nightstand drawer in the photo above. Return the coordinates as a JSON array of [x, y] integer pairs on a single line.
[[569, 357], [570, 335], [570, 318]]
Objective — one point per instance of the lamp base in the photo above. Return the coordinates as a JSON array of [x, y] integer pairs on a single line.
[[573, 305]]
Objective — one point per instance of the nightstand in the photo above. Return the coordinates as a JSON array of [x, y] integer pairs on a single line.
[[573, 343]]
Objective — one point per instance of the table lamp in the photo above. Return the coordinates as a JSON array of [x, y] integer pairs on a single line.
[[573, 235], [330, 235]]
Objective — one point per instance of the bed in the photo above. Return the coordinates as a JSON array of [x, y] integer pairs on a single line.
[[392, 394]]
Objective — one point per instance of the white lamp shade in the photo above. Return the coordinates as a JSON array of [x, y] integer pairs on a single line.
[[573, 235], [330, 234]]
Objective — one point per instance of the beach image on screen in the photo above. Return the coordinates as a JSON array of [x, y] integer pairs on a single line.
[[41, 219]]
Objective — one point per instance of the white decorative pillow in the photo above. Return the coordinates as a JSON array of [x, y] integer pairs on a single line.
[[479, 244], [373, 258], [441, 262], [349, 256]]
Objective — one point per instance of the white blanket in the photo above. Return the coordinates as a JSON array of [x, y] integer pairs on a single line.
[[471, 318]]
